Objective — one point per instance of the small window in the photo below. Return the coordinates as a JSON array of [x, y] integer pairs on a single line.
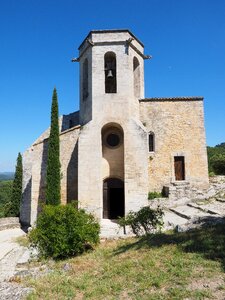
[[85, 79], [110, 72], [70, 123], [151, 142], [179, 168]]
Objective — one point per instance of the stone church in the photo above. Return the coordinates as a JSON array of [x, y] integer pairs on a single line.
[[120, 145]]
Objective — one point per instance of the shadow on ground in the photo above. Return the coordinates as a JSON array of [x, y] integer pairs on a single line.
[[208, 240]]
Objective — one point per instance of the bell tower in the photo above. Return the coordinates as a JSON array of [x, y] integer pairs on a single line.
[[111, 74], [112, 141]]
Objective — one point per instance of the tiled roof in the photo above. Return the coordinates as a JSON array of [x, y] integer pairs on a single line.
[[192, 98]]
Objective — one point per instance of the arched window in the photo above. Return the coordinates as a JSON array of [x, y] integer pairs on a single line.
[[136, 74], [110, 72], [151, 142], [85, 79]]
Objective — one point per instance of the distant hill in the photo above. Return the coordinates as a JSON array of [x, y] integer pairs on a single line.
[[6, 176], [222, 145], [216, 159]]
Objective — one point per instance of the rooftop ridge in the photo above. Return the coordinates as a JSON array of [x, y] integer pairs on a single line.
[[191, 98]]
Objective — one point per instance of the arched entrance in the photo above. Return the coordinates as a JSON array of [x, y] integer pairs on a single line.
[[113, 198]]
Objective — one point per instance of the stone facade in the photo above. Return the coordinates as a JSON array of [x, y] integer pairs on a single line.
[[106, 162], [178, 127]]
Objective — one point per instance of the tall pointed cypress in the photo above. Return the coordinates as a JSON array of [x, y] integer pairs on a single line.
[[53, 162], [13, 208]]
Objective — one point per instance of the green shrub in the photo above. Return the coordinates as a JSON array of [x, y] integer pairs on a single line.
[[211, 174], [53, 162], [216, 159], [145, 221], [12, 208], [218, 164], [5, 197], [62, 231], [153, 195]]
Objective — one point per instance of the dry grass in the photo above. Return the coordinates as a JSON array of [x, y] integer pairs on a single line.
[[166, 266]]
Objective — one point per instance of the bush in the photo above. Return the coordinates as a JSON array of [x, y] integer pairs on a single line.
[[5, 197], [153, 195], [13, 207], [218, 164], [145, 221], [62, 231], [216, 159]]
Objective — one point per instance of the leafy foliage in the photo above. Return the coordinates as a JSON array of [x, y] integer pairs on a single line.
[[153, 195], [218, 164], [145, 221], [5, 196], [12, 208], [53, 163], [216, 159], [64, 231]]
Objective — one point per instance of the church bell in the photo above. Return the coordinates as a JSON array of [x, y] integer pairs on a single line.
[[110, 74]]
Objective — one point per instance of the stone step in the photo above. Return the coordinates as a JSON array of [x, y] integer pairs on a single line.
[[9, 223], [188, 212], [213, 208], [9, 226], [111, 229], [172, 220], [10, 220], [9, 261]]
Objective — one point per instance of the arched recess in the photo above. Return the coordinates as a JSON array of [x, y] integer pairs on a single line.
[[113, 198], [85, 79], [113, 171], [110, 72], [136, 76]]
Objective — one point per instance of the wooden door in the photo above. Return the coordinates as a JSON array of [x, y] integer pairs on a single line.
[[179, 168]]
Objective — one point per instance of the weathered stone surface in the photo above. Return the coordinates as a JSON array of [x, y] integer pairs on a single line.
[[13, 291], [86, 160], [187, 212], [178, 126]]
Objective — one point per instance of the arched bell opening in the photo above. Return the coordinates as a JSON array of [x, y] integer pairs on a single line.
[[113, 198], [110, 73]]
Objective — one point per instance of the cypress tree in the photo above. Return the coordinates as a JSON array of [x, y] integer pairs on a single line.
[[53, 162], [13, 208]]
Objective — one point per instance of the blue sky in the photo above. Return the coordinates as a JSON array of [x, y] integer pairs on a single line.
[[38, 38]]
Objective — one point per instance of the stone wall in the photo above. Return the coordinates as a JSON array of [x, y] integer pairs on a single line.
[[34, 174], [25, 208], [178, 126]]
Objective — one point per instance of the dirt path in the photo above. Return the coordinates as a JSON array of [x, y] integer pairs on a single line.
[[10, 253]]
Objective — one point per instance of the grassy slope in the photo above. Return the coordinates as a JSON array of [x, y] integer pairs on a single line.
[[166, 266]]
